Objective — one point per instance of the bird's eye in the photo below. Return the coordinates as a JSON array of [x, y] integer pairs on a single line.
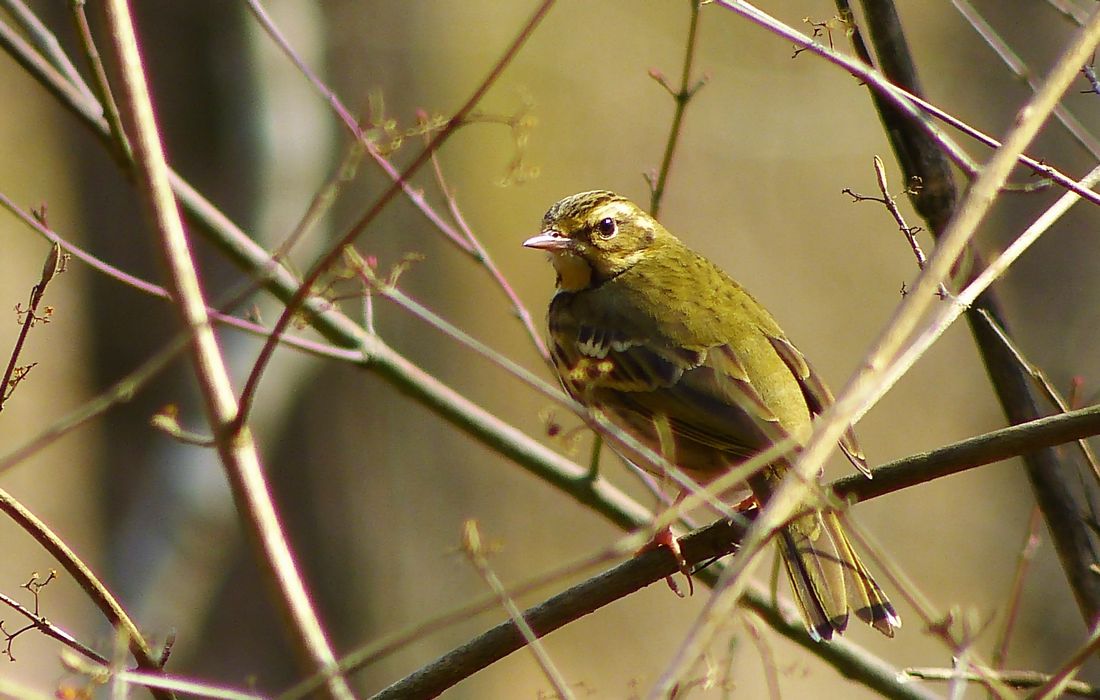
[[606, 228]]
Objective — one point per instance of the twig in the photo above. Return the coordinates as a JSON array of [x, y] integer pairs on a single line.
[[910, 104], [121, 391], [890, 202], [414, 195], [681, 98], [323, 199], [236, 447], [269, 26], [157, 681], [1015, 679], [1072, 539], [418, 310], [947, 314], [49, 629], [1023, 564], [13, 375], [482, 256], [146, 287], [475, 552]]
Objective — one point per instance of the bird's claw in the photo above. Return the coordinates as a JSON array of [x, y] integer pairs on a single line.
[[665, 538]]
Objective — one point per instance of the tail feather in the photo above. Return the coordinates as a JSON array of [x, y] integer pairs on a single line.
[[828, 579], [816, 580], [869, 602]]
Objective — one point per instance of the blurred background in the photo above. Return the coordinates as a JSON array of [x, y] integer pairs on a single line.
[[373, 487]]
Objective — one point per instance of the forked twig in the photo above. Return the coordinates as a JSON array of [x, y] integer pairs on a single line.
[[13, 375]]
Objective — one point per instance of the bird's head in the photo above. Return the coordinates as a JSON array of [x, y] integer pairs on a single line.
[[594, 236]]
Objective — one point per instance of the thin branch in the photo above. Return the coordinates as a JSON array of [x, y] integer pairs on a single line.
[[681, 98], [47, 43], [146, 287], [106, 673], [910, 104], [1072, 539], [414, 195], [236, 447], [1015, 594], [890, 202], [436, 321], [1024, 74], [481, 254], [269, 26], [475, 552], [121, 145], [1014, 679], [947, 314], [13, 375]]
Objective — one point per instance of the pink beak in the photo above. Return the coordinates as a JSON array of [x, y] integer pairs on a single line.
[[551, 241]]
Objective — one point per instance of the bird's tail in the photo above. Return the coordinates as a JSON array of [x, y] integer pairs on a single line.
[[829, 579]]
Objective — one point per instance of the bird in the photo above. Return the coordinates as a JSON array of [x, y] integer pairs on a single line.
[[673, 352]]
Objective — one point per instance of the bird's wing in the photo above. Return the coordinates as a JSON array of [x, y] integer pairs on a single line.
[[818, 396], [705, 393]]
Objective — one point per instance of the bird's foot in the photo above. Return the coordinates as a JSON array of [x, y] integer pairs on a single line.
[[665, 538]]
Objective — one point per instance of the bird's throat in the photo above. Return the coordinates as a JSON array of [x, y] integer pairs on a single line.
[[574, 272]]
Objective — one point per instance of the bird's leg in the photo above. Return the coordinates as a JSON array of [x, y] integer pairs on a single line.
[[665, 538]]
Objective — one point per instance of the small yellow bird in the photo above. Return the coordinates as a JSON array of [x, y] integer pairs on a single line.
[[671, 350]]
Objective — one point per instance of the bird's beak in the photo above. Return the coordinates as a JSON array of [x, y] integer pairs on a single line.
[[550, 241]]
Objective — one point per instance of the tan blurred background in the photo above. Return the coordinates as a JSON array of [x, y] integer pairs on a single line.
[[373, 487]]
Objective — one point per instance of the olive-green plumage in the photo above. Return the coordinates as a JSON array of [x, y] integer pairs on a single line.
[[664, 343]]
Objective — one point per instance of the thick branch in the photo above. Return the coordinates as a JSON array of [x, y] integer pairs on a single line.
[[722, 537]]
